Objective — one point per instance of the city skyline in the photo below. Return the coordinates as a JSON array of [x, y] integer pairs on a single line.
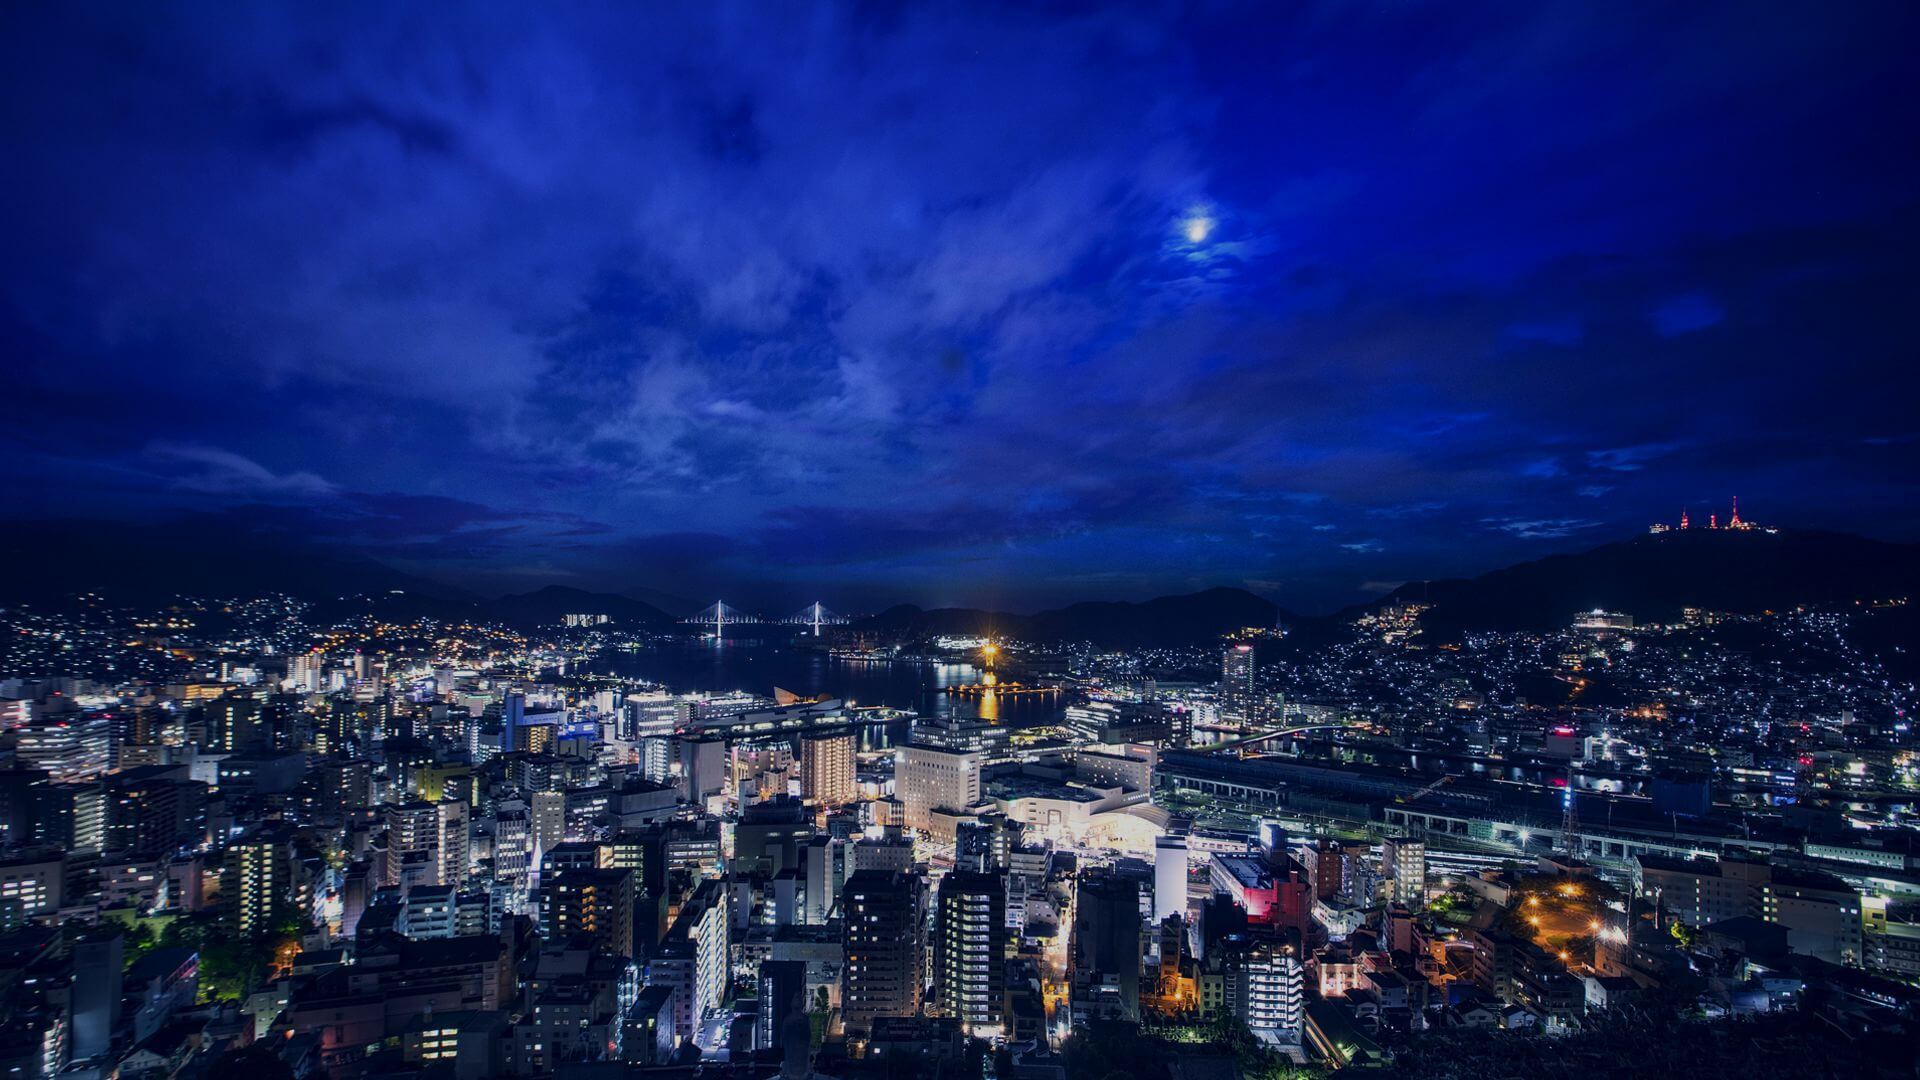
[[859, 539], [972, 306]]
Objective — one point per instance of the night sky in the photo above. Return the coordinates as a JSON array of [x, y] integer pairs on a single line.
[[995, 304]]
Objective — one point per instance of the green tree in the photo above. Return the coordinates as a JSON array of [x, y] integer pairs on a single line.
[[140, 940]]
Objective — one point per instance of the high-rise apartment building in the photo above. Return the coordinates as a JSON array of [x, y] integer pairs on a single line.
[[884, 943], [596, 904], [981, 846], [827, 775], [1404, 862], [415, 854], [260, 869], [1276, 984], [692, 957], [1238, 697], [970, 950]]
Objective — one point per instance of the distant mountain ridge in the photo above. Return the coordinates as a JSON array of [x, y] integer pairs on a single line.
[[43, 562], [1163, 621], [1651, 577], [46, 561], [1654, 577], [548, 606]]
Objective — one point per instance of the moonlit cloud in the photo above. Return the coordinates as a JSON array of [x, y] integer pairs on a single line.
[[957, 303]]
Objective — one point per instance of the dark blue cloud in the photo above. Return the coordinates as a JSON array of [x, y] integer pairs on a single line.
[[959, 304]]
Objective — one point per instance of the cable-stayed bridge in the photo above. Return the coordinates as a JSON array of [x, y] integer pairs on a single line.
[[719, 615]]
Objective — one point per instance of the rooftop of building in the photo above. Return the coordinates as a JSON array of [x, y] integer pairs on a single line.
[[1249, 870], [1021, 786]]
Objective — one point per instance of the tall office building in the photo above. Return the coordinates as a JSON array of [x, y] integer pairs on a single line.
[[456, 841], [703, 768], [1106, 949], [37, 882], [884, 943], [236, 724], [930, 778], [427, 912], [547, 819], [649, 716], [96, 992], [304, 672], [1238, 699], [760, 770], [826, 866], [69, 751], [346, 785], [513, 713], [150, 814], [656, 758], [827, 775], [1169, 877], [74, 816], [357, 883], [512, 848], [22, 792], [783, 992], [970, 950]]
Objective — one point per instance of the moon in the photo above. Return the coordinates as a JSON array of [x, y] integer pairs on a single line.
[[1197, 227]]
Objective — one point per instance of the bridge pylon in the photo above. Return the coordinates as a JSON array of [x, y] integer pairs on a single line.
[[815, 616]]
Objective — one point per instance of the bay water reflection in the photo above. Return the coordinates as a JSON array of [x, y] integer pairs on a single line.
[[757, 666]]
